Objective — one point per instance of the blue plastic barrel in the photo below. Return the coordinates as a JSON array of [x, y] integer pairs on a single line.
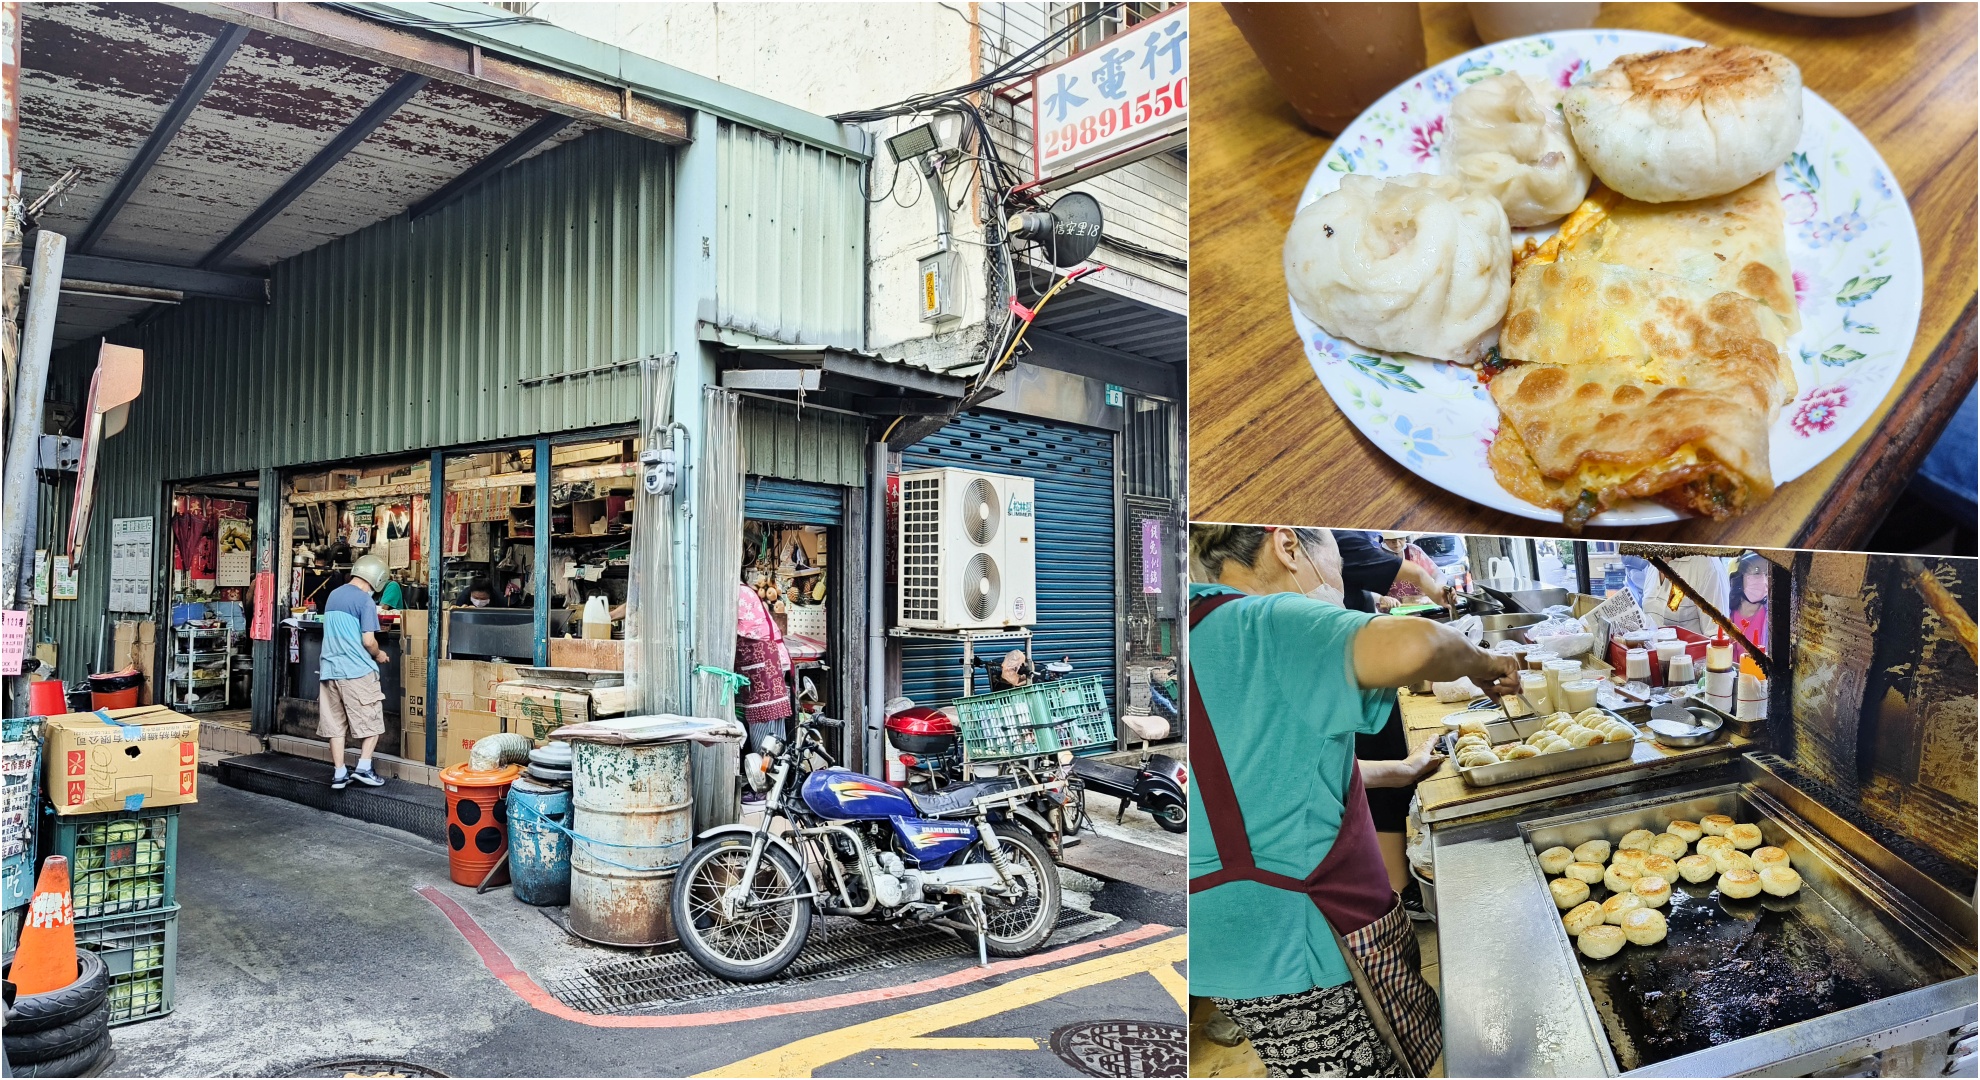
[[539, 851]]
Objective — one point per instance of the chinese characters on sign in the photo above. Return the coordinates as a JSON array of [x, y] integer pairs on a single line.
[[1151, 555], [1127, 94], [130, 564], [13, 641]]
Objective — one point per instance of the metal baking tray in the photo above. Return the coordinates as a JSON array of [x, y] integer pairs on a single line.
[[1506, 772], [1733, 970]]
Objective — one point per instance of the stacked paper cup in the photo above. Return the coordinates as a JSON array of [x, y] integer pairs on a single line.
[[1752, 703]]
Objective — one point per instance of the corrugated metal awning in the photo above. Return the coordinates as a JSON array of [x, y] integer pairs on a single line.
[[206, 144]]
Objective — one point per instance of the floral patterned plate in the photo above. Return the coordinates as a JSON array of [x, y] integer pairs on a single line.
[[1858, 276]]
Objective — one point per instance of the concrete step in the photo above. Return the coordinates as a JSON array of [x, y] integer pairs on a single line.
[[414, 808]]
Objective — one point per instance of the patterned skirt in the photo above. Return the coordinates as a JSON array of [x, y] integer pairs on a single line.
[[1326, 1031], [766, 698]]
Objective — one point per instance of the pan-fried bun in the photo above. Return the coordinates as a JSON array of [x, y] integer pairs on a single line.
[[1595, 851], [1637, 840], [1745, 837], [1741, 884], [1767, 856], [1644, 926], [1690, 124], [1615, 907], [1696, 868], [1669, 845], [1780, 880], [1568, 892], [1619, 878], [1586, 871], [1715, 824], [1555, 859], [1687, 831], [1601, 942], [1663, 866], [1584, 917]]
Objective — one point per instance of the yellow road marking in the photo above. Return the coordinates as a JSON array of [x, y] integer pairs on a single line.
[[957, 1044], [800, 1058], [1173, 981]]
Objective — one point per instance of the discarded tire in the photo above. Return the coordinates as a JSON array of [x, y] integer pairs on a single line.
[[40, 1012], [83, 1062], [51, 1044]]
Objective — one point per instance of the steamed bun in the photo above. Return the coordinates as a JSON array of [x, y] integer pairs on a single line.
[[1509, 141], [1407, 264], [1690, 124]]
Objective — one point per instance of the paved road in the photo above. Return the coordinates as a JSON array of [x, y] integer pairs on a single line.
[[306, 938]]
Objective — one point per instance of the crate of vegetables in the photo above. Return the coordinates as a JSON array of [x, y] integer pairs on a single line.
[[141, 953], [119, 863]]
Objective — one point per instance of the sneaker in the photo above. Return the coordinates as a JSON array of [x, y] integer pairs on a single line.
[[340, 780], [1412, 904], [368, 778]]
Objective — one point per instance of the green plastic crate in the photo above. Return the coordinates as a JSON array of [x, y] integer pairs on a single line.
[[142, 954], [1065, 715], [119, 863], [1002, 725]]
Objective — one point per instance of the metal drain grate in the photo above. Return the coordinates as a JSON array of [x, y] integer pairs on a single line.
[[838, 948], [365, 1067]]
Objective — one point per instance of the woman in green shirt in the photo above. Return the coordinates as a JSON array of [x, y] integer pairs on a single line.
[[1284, 864]]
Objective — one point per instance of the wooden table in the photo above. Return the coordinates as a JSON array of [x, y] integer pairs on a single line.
[[1266, 443], [1423, 720]]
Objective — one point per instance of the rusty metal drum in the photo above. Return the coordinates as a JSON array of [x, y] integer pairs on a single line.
[[632, 816]]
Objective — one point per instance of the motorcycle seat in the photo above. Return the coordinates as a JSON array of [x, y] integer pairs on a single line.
[[951, 800]]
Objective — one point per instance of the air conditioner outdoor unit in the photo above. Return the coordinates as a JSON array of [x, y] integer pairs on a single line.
[[968, 551]]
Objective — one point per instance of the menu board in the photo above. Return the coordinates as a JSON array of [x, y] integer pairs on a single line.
[[130, 564]]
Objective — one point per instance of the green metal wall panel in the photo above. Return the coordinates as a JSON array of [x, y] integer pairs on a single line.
[[791, 254], [809, 444], [406, 336]]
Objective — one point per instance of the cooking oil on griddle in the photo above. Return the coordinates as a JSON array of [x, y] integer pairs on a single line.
[[1733, 968]]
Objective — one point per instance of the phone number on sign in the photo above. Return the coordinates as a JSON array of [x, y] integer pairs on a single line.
[[1144, 109]]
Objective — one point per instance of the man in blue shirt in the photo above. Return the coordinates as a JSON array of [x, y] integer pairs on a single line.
[[350, 697]]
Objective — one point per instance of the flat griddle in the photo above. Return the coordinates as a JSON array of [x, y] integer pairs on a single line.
[[1732, 969]]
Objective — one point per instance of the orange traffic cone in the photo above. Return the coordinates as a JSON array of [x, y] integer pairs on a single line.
[[46, 958]]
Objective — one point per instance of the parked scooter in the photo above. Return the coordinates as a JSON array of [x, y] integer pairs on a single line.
[[839, 843], [1159, 786]]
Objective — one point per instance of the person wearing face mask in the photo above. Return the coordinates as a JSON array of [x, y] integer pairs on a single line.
[[479, 594], [1290, 904]]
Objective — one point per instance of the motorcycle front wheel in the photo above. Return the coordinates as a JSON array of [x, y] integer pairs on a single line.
[[737, 943], [1019, 925]]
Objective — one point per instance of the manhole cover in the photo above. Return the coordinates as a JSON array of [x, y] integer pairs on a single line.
[[357, 1067], [841, 949], [1124, 1048]]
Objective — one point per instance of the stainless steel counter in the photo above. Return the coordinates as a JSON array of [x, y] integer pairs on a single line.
[[1516, 1000]]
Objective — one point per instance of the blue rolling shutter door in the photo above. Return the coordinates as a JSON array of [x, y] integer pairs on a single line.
[[766, 498], [1073, 471]]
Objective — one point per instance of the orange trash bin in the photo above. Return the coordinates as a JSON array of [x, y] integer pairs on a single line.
[[477, 821]]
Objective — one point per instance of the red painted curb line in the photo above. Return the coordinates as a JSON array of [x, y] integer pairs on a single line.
[[505, 969]]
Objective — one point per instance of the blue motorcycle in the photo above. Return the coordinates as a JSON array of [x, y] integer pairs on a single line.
[[838, 842]]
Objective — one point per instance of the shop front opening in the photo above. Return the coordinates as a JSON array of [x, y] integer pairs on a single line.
[[208, 655], [791, 532]]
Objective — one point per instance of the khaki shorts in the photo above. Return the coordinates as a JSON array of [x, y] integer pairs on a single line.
[[354, 704]]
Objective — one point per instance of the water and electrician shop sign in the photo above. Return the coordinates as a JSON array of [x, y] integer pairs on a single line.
[[1119, 101]]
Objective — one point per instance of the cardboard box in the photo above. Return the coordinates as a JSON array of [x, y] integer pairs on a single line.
[[463, 729], [412, 743], [536, 711], [146, 757], [591, 654]]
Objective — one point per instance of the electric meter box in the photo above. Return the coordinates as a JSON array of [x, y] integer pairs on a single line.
[[937, 286]]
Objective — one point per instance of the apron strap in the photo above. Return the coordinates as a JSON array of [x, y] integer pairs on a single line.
[[1214, 788]]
